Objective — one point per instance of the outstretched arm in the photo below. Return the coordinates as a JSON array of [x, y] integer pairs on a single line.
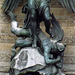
[[14, 26], [11, 15]]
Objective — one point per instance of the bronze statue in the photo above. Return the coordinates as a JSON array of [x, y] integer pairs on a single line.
[[30, 35], [53, 50], [38, 8], [39, 11]]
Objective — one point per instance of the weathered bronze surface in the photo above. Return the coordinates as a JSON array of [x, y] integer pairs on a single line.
[[53, 50], [30, 35]]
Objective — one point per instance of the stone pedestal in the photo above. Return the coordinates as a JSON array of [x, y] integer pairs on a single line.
[[30, 60]]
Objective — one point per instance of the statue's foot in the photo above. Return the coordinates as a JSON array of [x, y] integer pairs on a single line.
[[34, 44]]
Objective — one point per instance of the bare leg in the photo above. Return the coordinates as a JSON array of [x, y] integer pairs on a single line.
[[47, 21], [32, 12], [20, 42], [33, 26], [13, 52]]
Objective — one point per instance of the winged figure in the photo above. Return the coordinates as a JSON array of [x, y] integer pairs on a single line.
[[54, 30], [36, 11]]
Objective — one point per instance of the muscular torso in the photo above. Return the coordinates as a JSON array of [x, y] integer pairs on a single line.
[[35, 3]]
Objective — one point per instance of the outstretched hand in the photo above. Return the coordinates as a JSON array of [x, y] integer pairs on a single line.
[[11, 15]]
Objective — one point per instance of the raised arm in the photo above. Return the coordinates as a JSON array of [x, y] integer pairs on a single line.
[[14, 27]]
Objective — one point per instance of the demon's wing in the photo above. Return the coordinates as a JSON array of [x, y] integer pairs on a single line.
[[10, 5], [56, 30], [69, 4]]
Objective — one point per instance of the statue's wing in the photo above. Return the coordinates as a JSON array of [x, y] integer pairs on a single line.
[[69, 4], [55, 29], [10, 5]]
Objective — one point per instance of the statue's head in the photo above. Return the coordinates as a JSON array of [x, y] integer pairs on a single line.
[[60, 47]]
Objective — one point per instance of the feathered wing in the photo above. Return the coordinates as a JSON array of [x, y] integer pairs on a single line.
[[69, 4], [56, 30], [10, 5]]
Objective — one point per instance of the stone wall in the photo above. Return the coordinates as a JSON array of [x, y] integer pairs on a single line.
[[7, 39]]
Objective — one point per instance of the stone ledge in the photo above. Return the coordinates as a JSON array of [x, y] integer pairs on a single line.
[[3, 73], [4, 66]]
